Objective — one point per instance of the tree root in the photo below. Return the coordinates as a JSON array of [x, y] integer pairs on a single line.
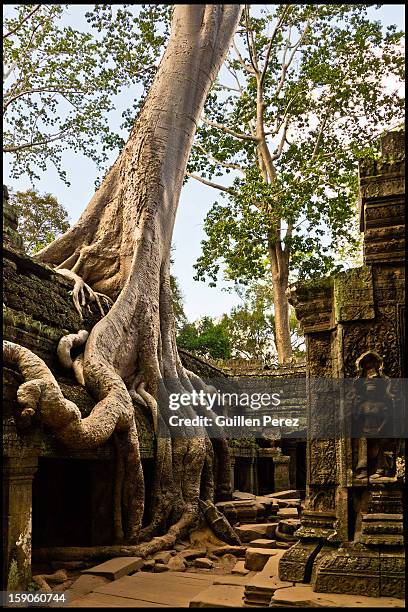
[[41, 395], [78, 292], [65, 345]]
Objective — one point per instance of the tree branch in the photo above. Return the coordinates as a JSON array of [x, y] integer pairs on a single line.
[[26, 18], [27, 145], [219, 162], [251, 49], [27, 92], [274, 34], [287, 64], [211, 184], [283, 140], [243, 63], [228, 131]]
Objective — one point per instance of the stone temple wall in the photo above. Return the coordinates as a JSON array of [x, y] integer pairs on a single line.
[[351, 537]]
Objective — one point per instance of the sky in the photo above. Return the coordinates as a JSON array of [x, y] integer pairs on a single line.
[[196, 199]]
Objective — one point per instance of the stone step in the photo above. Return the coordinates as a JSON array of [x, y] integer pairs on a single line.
[[303, 596], [219, 596], [256, 558], [117, 567], [260, 588]]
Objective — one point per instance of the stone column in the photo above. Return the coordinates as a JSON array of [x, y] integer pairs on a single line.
[[253, 476], [18, 474], [281, 475], [232, 471]]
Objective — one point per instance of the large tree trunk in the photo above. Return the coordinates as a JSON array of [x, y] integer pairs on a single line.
[[280, 277], [121, 246]]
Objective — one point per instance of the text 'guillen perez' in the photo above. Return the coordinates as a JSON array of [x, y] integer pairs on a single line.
[[234, 421]]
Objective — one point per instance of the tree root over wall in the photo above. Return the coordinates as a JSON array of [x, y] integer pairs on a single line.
[[120, 248]]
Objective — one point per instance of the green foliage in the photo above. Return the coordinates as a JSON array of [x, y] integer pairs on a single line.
[[178, 308], [324, 103], [41, 218], [251, 325], [60, 82], [205, 338]]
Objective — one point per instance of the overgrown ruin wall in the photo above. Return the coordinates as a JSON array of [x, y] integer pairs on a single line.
[[351, 538]]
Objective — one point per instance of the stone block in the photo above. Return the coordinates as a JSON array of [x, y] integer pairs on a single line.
[[117, 567], [297, 562], [203, 563], [290, 494], [236, 551], [288, 513], [303, 596], [256, 558], [263, 543], [160, 568], [239, 569], [177, 564], [250, 532], [192, 553], [162, 557], [87, 583]]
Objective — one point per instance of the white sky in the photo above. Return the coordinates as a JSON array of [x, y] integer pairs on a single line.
[[196, 199]]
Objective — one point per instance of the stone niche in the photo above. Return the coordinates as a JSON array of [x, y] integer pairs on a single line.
[[351, 534]]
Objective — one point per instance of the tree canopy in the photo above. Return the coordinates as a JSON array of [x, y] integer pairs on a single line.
[[305, 90], [316, 75], [251, 325], [41, 218], [60, 82], [206, 338]]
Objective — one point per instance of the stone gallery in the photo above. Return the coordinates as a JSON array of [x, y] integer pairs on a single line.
[[314, 519]]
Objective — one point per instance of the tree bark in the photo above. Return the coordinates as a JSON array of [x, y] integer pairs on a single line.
[[121, 246], [280, 277]]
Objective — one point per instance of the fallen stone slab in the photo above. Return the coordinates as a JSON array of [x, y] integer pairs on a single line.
[[303, 596], [287, 513], [177, 564], [233, 579], [239, 495], [159, 568], [255, 531], [219, 596], [117, 567], [87, 583], [289, 494], [171, 588], [239, 569], [271, 568], [100, 600], [203, 563], [192, 553], [289, 525], [263, 543], [256, 558], [288, 503], [237, 551], [162, 557]]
